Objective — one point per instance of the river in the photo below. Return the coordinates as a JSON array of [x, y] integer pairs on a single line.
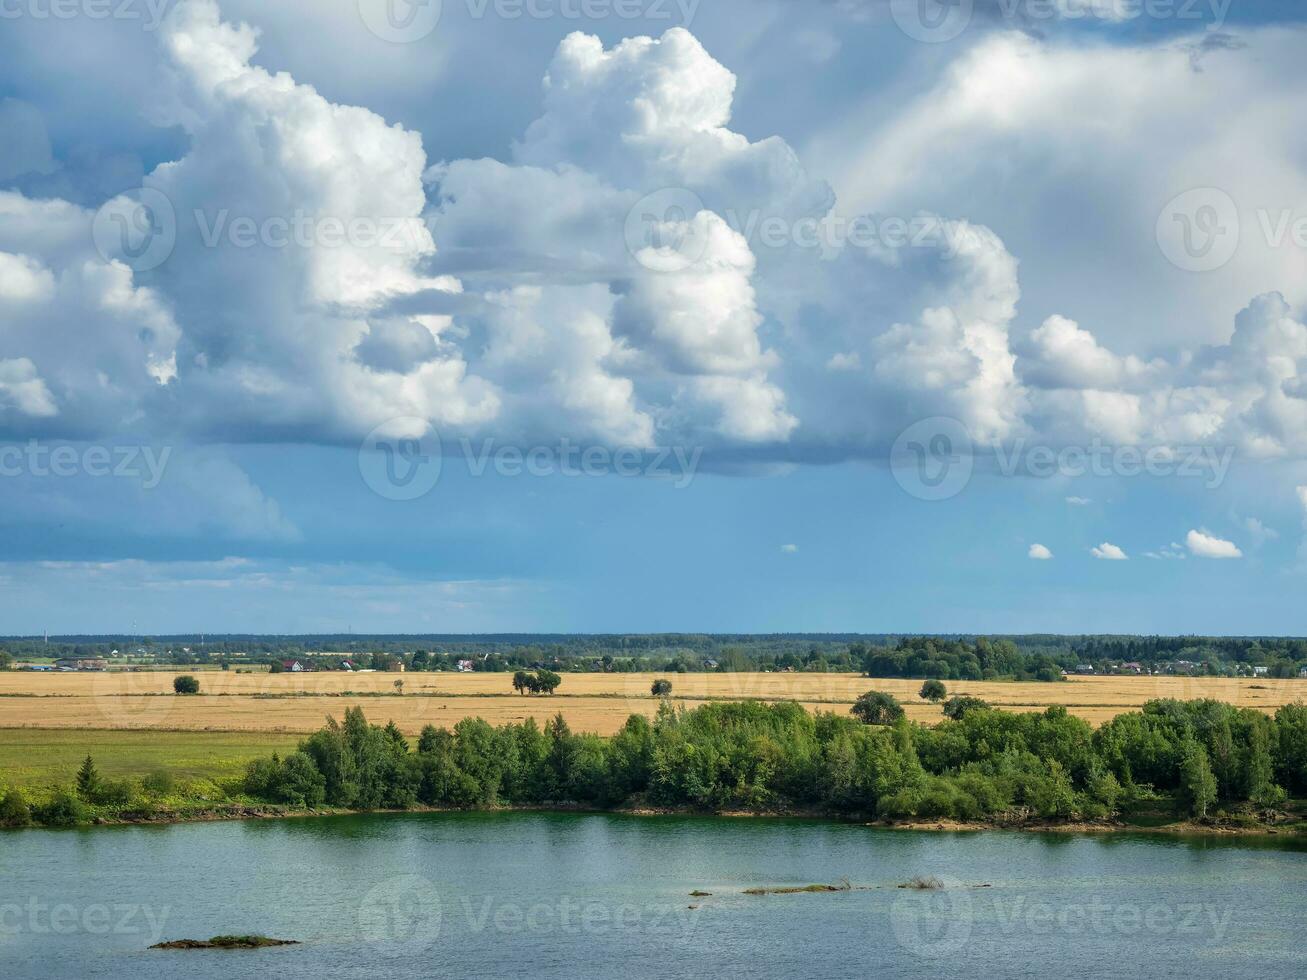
[[580, 895]]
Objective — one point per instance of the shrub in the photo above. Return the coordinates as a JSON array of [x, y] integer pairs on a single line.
[[661, 688], [158, 783], [63, 810], [14, 811], [185, 684]]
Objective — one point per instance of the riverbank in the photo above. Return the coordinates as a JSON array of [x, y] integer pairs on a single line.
[[1295, 827]]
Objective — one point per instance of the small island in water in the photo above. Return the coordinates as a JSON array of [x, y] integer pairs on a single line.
[[226, 942]]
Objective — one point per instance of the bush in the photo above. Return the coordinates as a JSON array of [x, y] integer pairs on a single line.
[[158, 783], [185, 684], [63, 810], [661, 688], [14, 811]]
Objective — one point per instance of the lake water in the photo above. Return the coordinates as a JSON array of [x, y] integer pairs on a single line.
[[573, 896]]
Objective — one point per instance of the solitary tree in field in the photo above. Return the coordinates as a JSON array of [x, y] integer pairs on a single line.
[[185, 684], [547, 681], [934, 691], [877, 708], [399, 686], [523, 681], [661, 688], [88, 779]]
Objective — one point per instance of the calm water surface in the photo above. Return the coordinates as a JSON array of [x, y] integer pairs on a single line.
[[571, 896]]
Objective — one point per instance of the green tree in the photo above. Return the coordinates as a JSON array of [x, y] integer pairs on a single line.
[[88, 780], [877, 708], [185, 684], [933, 691], [523, 681], [661, 688], [548, 681], [1197, 783]]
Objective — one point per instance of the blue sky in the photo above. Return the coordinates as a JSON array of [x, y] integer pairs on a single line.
[[786, 316]]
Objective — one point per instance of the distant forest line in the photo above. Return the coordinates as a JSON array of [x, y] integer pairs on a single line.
[[1035, 656]]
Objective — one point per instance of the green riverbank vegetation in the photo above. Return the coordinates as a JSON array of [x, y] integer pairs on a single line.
[[1203, 761]]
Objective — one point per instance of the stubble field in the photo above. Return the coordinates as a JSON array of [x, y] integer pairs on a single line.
[[295, 703]]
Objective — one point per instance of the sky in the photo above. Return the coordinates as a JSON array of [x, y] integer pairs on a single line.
[[653, 315]]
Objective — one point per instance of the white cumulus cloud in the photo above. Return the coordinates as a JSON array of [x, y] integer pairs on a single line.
[[1205, 545]]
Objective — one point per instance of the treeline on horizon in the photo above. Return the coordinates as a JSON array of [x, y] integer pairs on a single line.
[[949, 657], [1206, 759]]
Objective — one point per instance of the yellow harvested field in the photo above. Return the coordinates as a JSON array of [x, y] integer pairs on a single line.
[[591, 702]]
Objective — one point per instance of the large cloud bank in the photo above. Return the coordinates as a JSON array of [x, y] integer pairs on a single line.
[[634, 272]]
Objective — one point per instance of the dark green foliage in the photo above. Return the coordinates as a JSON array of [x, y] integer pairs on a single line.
[[661, 688], [978, 764], [541, 682], [933, 691], [956, 707], [877, 708], [185, 684], [63, 810], [88, 780], [14, 811]]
